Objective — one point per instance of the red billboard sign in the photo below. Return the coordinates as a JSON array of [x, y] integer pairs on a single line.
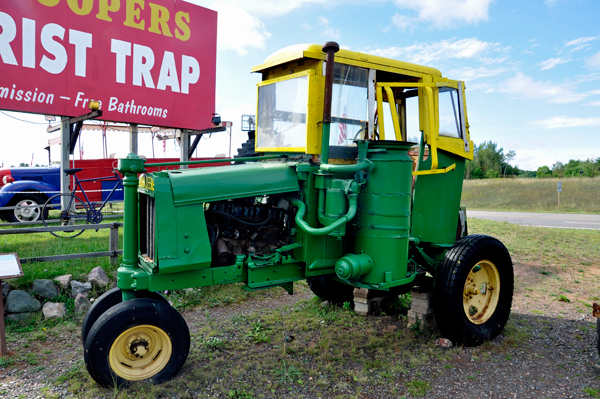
[[146, 61]]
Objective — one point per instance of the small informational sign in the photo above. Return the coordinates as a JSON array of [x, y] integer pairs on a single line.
[[559, 187], [10, 267]]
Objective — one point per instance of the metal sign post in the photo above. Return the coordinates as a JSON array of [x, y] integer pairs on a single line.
[[10, 267], [559, 187]]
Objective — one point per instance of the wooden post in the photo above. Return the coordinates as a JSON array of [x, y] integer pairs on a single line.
[[113, 244], [10, 267], [2, 332]]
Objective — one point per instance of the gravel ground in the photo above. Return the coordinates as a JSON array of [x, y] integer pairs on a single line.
[[558, 359]]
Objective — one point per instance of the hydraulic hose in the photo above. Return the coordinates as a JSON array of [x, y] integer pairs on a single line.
[[363, 165], [322, 231]]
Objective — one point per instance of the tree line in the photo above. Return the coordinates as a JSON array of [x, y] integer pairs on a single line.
[[573, 168], [490, 161]]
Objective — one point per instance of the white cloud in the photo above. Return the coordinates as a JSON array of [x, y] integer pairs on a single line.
[[581, 43], [425, 53], [238, 30], [469, 73], [526, 87], [448, 13], [594, 103], [552, 62], [593, 62], [588, 77], [485, 87], [559, 122], [329, 31], [403, 22]]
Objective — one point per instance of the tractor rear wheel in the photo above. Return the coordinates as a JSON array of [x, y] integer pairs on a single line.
[[331, 290], [137, 340], [106, 301], [473, 290]]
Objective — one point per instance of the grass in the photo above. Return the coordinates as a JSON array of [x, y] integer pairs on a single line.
[[308, 349], [44, 244], [579, 195], [577, 248]]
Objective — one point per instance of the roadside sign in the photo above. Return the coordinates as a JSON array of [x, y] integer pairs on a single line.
[[559, 187], [146, 62]]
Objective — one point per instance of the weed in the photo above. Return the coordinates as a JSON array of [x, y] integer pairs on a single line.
[[213, 343], [594, 393], [418, 387], [287, 373], [6, 361], [257, 334], [562, 298], [545, 272], [400, 304], [240, 394]]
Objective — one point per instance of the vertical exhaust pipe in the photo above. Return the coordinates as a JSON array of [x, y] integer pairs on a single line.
[[330, 48]]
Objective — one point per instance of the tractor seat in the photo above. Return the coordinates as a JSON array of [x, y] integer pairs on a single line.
[[73, 171]]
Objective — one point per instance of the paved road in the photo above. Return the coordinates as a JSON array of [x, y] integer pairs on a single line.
[[556, 220]]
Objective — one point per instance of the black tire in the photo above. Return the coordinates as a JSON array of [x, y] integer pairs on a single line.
[[25, 214], [77, 215], [331, 290], [106, 301], [247, 149], [454, 305], [137, 340]]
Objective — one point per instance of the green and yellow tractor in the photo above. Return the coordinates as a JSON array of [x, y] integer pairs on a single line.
[[333, 198]]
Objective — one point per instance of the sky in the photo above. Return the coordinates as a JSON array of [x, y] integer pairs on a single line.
[[531, 69]]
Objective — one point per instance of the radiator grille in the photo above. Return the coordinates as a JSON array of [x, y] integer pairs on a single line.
[[147, 226]]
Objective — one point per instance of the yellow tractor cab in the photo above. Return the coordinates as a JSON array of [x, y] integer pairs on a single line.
[[373, 98]]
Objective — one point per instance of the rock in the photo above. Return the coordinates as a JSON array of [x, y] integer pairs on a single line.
[[82, 304], [443, 343], [64, 281], [18, 316], [98, 278], [54, 310], [5, 289], [45, 288], [21, 302], [79, 288]]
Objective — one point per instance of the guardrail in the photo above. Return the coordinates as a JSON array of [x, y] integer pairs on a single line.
[[113, 242]]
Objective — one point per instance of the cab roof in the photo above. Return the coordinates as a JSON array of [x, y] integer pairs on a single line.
[[299, 51]]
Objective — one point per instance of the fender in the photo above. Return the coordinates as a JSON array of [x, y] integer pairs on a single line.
[[8, 191]]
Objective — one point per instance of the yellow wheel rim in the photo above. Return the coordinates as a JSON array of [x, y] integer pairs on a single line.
[[482, 291], [140, 352]]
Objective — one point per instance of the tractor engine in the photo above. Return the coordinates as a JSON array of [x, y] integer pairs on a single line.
[[247, 226]]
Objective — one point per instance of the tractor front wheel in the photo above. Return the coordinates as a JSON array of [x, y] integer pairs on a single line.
[[137, 340], [106, 301], [473, 290]]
